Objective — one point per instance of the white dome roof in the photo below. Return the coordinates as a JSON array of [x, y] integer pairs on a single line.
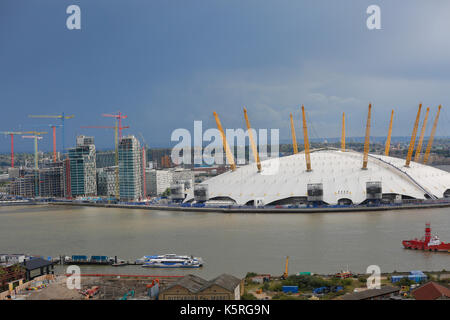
[[339, 172]]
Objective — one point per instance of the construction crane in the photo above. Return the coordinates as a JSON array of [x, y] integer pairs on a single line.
[[61, 117], [422, 134], [12, 133], [343, 133], [226, 147], [294, 138], [116, 143], [119, 116], [367, 140], [306, 141], [388, 141], [430, 141], [252, 142], [286, 273], [413, 137], [36, 136]]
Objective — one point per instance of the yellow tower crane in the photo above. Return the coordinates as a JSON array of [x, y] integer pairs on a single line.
[[430, 141], [228, 153], [422, 134], [306, 141], [36, 136], [388, 141], [413, 137], [367, 140], [252, 142], [294, 138], [286, 273], [343, 133]]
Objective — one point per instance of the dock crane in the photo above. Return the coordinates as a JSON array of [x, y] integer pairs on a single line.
[[228, 153], [116, 143], [252, 142], [12, 133], [294, 138], [306, 142], [286, 273], [422, 133], [388, 141], [367, 140], [61, 117], [119, 116], [430, 141], [413, 137], [36, 136]]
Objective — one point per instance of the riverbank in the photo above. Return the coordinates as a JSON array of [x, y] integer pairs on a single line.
[[260, 209]]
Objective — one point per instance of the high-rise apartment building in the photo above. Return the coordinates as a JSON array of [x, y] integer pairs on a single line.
[[82, 167], [130, 169]]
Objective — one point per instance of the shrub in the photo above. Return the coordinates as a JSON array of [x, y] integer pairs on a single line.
[[248, 296], [251, 274]]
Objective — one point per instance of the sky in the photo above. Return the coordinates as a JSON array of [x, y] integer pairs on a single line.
[[167, 63]]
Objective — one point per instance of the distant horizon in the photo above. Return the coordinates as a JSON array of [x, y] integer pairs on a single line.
[[378, 139]]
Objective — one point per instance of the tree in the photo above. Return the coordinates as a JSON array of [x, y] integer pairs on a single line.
[[166, 193], [248, 296]]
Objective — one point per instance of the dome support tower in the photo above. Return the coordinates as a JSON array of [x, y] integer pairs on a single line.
[[367, 140], [413, 138], [306, 141], [388, 141]]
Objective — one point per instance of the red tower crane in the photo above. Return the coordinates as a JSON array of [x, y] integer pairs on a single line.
[[119, 116], [12, 133]]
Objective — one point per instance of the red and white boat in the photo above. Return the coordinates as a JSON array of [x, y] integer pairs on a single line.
[[428, 242]]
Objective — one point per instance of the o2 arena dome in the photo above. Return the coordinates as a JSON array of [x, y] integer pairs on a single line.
[[336, 178], [328, 176]]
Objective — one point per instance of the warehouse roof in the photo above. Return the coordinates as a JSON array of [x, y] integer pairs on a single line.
[[371, 293]]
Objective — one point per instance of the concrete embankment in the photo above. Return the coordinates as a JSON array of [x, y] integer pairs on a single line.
[[259, 210]]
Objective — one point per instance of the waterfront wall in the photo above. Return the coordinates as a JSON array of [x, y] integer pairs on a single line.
[[258, 210]]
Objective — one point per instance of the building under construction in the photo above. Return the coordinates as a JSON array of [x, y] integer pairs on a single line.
[[329, 176], [51, 180]]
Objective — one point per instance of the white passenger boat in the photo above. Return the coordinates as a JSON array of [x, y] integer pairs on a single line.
[[173, 261]]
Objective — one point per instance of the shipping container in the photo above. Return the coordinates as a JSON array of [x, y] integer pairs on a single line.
[[292, 289]]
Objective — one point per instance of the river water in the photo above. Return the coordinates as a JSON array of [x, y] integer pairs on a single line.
[[229, 243]]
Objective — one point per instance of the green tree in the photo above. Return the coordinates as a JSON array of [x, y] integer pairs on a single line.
[[248, 296]]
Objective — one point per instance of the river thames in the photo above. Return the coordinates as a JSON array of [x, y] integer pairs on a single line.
[[228, 243]]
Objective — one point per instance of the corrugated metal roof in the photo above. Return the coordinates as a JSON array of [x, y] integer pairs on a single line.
[[370, 293], [196, 284]]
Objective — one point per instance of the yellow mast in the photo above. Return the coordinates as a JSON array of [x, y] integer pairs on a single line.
[[413, 138], [252, 142], [430, 141], [343, 133], [306, 141], [225, 144], [422, 133], [388, 141], [367, 140], [294, 138], [286, 273]]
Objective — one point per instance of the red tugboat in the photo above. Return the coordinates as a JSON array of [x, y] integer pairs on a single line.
[[428, 242]]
